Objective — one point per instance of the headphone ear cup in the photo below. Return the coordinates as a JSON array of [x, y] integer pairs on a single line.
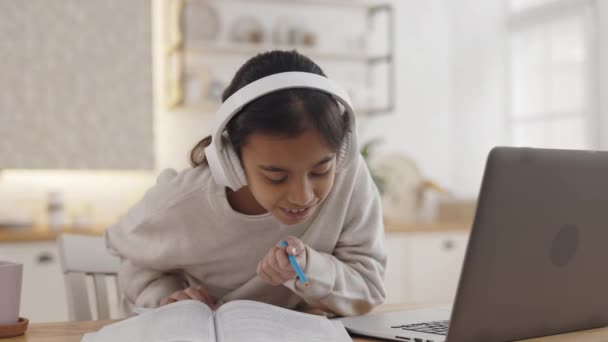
[[234, 169], [342, 155], [348, 151]]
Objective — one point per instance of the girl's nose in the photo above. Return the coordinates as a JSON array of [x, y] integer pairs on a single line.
[[301, 193]]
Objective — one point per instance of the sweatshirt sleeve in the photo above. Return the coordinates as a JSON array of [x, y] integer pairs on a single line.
[[140, 238], [144, 287], [350, 281]]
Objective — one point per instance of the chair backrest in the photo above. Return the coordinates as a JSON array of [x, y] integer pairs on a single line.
[[82, 256]]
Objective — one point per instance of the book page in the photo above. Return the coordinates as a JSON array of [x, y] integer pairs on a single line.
[[250, 321], [183, 321]]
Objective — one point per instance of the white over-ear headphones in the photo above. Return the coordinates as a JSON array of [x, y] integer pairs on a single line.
[[225, 165]]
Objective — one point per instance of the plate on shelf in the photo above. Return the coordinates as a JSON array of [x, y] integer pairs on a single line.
[[199, 22]]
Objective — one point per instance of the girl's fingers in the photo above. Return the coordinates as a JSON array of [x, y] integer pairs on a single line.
[[271, 281], [172, 298], [271, 271], [301, 258], [271, 259], [208, 299], [275, 268], [285, 268], [180, 296], [295, 246], [194, 294], [166, 300], [266, 277], [199, 292], [282, 260], [263, 274]]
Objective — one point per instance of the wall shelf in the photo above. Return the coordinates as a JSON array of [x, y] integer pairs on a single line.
[[321, 3], [187, 70], [251, 49]]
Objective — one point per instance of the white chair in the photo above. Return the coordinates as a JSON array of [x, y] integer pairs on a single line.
[[83, 256]]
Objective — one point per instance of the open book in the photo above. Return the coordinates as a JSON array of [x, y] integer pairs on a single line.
[[236, 321]]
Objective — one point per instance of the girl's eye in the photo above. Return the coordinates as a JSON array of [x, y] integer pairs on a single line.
[[276, 181], [320, 174], [281, 180]]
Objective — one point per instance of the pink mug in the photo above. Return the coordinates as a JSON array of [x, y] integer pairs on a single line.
[[11, 274]]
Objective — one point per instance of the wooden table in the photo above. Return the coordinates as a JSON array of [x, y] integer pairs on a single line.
[[73, 331]]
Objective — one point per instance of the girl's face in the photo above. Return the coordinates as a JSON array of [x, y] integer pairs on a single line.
[[289, 177]]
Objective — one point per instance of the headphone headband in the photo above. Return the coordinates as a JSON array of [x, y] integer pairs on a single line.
[[223, 170]]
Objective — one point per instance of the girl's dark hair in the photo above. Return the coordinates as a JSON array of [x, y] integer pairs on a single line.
[[286, 112]]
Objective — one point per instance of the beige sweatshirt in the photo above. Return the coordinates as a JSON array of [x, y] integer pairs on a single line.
[[184, 232]]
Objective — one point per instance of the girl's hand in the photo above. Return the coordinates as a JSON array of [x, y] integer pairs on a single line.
[[275, 268], [195, 292]]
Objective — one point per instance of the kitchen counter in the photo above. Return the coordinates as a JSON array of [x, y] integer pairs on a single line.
[[45, 234], [8, 235], [426, 227]]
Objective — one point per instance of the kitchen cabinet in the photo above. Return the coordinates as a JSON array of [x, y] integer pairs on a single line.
[[424, 267]]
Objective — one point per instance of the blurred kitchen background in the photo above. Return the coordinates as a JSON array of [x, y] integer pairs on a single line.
[[97, 97]]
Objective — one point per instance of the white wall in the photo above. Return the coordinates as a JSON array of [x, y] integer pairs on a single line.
[[478, 85], [451, 84], [477, 88], [419, 127]]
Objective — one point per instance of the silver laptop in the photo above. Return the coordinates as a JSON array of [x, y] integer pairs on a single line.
[[535, 261]]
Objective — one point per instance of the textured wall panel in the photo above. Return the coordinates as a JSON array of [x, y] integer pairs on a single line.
[[76, 84]]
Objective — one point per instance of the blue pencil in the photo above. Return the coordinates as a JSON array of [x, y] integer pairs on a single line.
[[296, 267]]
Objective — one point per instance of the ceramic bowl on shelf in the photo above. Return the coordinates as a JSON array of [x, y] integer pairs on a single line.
[[247, 29]]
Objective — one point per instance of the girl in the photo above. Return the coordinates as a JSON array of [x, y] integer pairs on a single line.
[[191, 237]]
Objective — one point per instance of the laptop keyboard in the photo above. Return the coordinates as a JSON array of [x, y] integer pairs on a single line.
[[436, 327]]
